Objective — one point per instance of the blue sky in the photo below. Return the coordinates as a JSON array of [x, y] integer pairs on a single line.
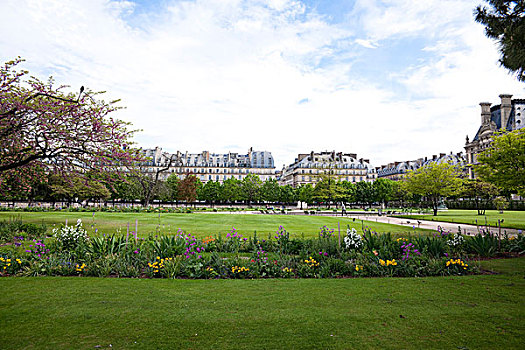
[[390, 80]]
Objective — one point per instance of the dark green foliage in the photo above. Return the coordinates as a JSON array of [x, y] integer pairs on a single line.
[[15, 227], [483, 245], [434, 247], [504, 21]]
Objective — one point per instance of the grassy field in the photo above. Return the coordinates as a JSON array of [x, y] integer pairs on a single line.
[[202, 224], [512, 219], [470, 312]]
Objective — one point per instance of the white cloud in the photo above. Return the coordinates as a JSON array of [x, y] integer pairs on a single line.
[[366, 43], [227, 75]]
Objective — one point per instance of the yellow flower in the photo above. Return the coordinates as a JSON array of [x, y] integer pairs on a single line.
[[382, 262]]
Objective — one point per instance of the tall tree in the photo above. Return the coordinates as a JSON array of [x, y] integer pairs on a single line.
[[364, 193], [251, 186], [327, 189], [149, 175], [383, 190], [210, 192], [78, 189], [480, 191], [305, 193], [347, 191], [287, 194], [504, 21], [434, 181], [172, 183], [503, 163], [67, 133], [128, 189], [188, 188], [231, 190], [270, 190]]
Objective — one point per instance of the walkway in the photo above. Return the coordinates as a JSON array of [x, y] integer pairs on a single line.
[[433, 225]]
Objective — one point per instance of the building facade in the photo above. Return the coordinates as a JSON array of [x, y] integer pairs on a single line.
[[208, 166], [507, 116], [396, 170], [344, 166]]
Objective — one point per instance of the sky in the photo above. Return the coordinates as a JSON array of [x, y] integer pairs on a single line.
[[389, 80]]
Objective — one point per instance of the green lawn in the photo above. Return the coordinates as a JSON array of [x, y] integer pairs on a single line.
[[202, 224], [470, 312], [512, 219]]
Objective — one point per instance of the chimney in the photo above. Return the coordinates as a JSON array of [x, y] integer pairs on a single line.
[[485, 113], [441, 155], [506, 107]]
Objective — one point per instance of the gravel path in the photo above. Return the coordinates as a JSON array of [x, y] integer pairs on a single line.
[[434, 225]]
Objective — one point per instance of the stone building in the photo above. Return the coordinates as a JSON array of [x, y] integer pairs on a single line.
[[208, 166], [396, 170], [344, 166], [507, 116]]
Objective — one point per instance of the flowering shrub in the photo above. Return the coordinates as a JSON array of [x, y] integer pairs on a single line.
[[80, 268], [38, 249], [456, 266], [234, 256], [456, 240], [326, 232], [9, 266], [240, 271], [409, 248], [392, 262], [71, 237], [353, 240]]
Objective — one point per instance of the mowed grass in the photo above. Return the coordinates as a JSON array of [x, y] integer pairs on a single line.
[[511, 219], [470, 312], [203, 224]]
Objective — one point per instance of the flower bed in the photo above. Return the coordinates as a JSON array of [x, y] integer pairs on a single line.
[[71, 252]]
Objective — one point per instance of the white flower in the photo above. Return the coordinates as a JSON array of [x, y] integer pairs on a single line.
[[353, 240], [456, 240]]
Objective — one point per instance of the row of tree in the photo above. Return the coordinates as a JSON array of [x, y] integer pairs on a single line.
[[429, 184]]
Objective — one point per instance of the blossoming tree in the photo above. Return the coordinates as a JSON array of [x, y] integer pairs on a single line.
[[44, 129]]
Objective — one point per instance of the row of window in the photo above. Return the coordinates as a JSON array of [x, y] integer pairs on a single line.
[[348, 178], [337, 172]]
